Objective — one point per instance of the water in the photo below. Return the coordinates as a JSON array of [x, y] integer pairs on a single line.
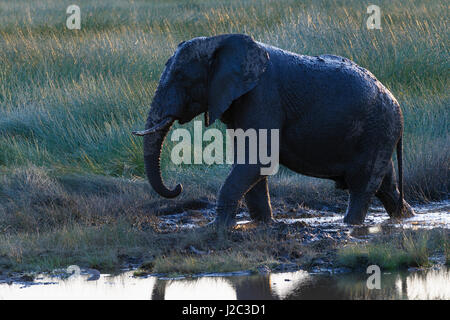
[[432, 215], [422, 284]]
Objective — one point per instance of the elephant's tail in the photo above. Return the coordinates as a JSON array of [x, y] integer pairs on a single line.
[[400, 168]]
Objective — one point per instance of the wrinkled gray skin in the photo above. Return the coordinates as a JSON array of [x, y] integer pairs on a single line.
[[336, 120]]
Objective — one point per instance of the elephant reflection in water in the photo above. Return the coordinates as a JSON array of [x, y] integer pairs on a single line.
[[303, 286], [236, 287], [257, 287]]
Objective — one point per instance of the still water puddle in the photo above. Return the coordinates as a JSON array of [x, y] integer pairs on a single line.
[[429, 216], [426, 284]]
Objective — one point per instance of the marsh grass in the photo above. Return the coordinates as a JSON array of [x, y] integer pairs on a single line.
[[69, 100], [399, 251], [109, 247], [223, 262]]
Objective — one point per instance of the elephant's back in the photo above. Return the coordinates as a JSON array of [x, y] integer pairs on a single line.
[[330, 82], [333, 91]]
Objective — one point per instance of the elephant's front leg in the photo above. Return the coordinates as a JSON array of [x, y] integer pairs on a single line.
[[258, 202], [240, 180]]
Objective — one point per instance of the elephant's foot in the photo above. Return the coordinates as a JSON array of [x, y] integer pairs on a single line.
[[266, 221], [389, 195], [353, 220], [402, 213], [227, 223], [226, 217], [357, 208], [224, 222], [262, 214], [393, 207], [262, 217]]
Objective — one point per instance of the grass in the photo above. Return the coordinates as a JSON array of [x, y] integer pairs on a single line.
[[70, 171], [69, 99], [157, 252], [393, 252], [447, 253]]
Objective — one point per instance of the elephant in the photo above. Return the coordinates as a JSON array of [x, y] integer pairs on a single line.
[[335, 119]]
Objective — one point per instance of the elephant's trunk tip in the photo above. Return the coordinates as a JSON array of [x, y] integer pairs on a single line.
[[175, 192]]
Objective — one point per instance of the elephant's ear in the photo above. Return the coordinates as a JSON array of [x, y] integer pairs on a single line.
[[236, 67]]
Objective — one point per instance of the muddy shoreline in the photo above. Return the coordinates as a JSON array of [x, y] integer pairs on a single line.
[[298, 230]]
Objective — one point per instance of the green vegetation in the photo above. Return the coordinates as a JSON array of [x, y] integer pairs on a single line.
[[108, 247], [71, 174], [409, 249]]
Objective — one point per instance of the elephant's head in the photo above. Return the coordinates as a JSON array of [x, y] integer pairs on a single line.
[[204, 75]]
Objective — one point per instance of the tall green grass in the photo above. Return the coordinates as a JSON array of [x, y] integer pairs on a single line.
[[70, 98]]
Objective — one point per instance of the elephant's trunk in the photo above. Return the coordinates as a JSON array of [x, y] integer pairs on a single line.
[[153, 141]]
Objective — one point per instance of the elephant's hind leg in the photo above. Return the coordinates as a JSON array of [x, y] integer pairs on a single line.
[[258, 202], [390, 196], [362, 184]]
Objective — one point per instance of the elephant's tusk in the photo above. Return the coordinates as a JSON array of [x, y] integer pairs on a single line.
[[153, 129]]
